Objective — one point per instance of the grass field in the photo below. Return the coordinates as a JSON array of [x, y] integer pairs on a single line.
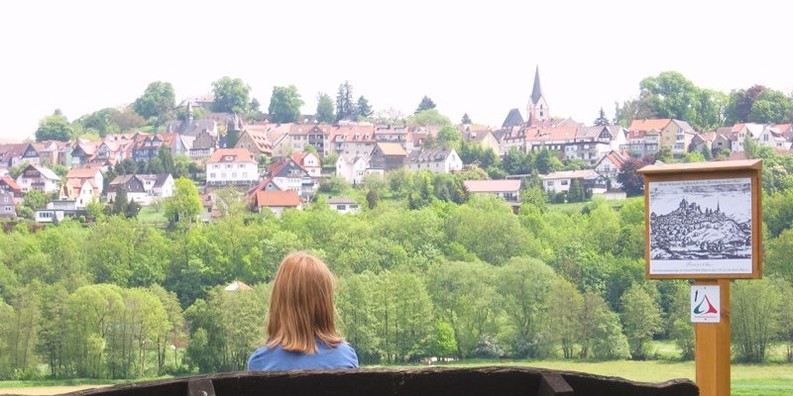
[[747, 380], [152, 215]]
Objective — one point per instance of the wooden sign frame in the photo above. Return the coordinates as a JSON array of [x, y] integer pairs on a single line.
[[686, 192]]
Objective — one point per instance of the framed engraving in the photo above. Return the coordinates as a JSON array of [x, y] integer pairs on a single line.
[[703, 222]]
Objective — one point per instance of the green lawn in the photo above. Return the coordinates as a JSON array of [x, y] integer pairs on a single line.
[[576, 207], [152, 215]]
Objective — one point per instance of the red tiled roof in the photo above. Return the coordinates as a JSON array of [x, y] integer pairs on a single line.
[[82, 173], [236, 155], [477, 186], [277, 198], [11, 183], [648, 124]]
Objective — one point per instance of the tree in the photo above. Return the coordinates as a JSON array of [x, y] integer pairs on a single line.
[[601, 120], [325, 110], [641, 319], [363, 109], [740, 103], [345, 109], [465, 120], [285, 104], [429, 117], [771, 107], [231, 95], [127, 119], [120, 202], [54, 127], [185, 204], [156, 102], [449, 137], [102, 121], [35, 199], [632, 182], [425, 104], [755, 317]]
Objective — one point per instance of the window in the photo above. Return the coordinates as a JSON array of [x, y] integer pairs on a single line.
[[565, 182], [241, 166], [212, 175], [216, 166], [341, 207], [234, 175], [229, 166], [549, 183]]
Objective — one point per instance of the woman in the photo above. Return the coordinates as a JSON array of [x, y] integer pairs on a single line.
[[300, 323]]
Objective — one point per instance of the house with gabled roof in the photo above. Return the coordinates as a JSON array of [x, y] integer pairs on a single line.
[[7, 205], [352, 168], [11, 154], [8, 184], [610, 166], [388, 156], [437, 160], [774, 138], [255, 141], [592, 143], [82, 153], [344, 205], [203, 145], [143, 189], [232, 167], [561, 181], [509, 189], [482, 136], [39, 178], [353, 139], [288, 175], [317, 135], [82, 185], [277, 201], [309, 161]]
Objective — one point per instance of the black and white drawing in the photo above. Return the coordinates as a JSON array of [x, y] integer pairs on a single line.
[[701, 226]]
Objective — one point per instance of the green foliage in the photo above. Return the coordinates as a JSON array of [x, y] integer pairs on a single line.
[[465, 120], [755, 317], [156, 102], [363, 109], [345, 108], [325, 111], [35, 199], [641, 319], [285, 104], [430, 117], [602, 120], [54, 127], [231, 95], [632, 182], [185, 205], [425, 104], [102, 121], [757, 104]]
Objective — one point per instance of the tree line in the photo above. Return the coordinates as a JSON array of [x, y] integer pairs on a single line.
[[425, 271]]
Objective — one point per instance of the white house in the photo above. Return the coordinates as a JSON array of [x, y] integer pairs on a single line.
[[509, 190], [277, 201], [610, 165], [83, 186], [309, 161], [289, 175], [352, 169], [232, 167], [344, 205], [57, 211], [438, 160], [38, 178], [561, 181], [142, 189]]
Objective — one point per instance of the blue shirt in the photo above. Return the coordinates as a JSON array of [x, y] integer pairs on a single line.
[[276, 358]]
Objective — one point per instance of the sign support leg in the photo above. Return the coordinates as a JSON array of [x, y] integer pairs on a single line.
[[713, 347]]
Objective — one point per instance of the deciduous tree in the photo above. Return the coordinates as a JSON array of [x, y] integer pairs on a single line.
[[157, 101], [285, 104], [231, 95], [325, 111]]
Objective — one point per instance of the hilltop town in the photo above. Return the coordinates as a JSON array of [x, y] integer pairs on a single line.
[[280, 163]]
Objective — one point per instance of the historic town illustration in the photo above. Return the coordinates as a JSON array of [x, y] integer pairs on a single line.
[[698, 220]]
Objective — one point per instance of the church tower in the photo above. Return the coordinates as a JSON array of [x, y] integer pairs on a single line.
[[537, 110]]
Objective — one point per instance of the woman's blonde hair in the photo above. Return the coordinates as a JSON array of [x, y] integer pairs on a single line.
[[301, 305]]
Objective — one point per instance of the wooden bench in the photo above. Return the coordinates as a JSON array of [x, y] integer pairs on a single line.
[[496, 381]]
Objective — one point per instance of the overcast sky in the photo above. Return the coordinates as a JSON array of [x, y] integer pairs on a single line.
[[468, 56]]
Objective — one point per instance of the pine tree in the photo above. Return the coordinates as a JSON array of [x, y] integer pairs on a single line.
[[345, 109], [120, 203], [601, 120], [466, 120], [364, 110], [426, 104]]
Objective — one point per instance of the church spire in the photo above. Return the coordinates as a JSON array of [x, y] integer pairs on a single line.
[[536, 91]]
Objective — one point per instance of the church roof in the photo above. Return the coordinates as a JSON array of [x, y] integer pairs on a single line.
[[536, 91], [514, 118]]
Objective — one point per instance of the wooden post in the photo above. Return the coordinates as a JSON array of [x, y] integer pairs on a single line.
[[713, 347]]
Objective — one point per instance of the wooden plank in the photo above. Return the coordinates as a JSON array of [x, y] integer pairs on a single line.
[[200, 387], [553, 384], [713, 347], [694, 167]]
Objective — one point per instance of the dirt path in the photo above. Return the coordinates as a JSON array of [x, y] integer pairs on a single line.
[[47, 390]]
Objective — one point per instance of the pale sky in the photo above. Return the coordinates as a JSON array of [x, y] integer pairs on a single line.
[[468, 56]]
